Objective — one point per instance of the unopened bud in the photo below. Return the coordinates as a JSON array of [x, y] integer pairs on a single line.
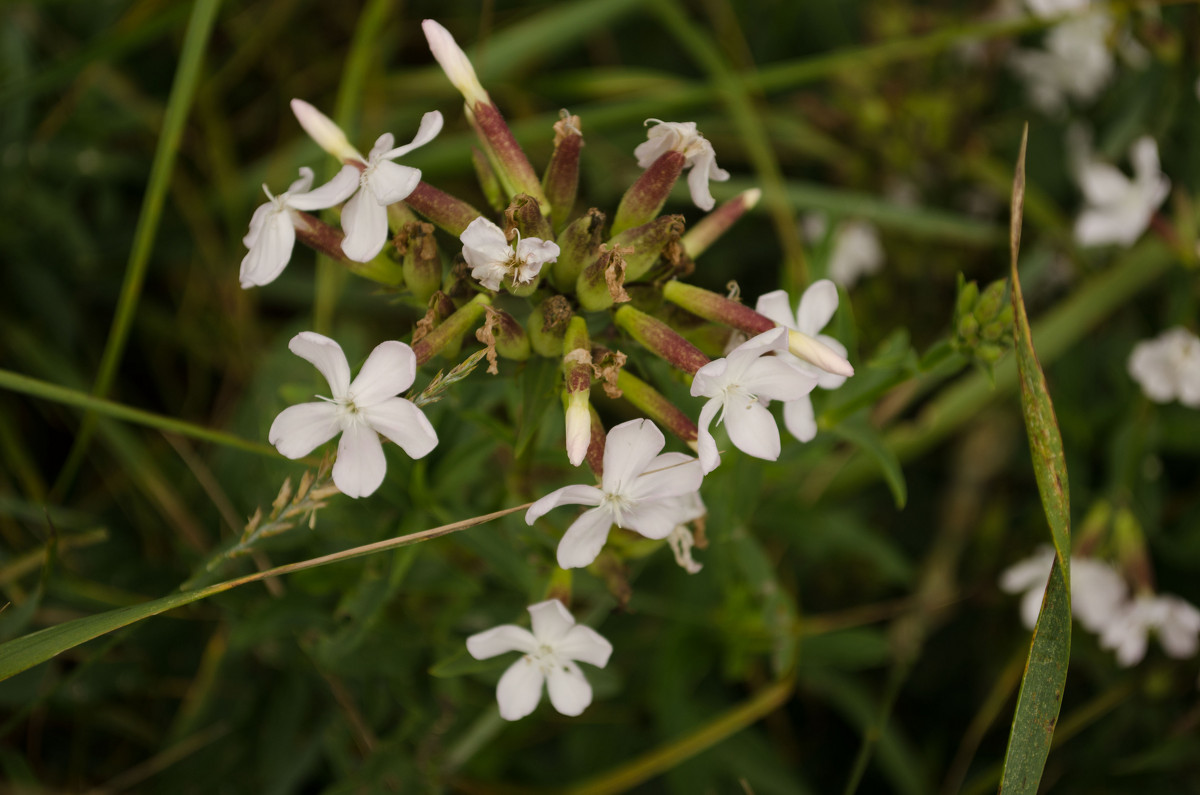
[[579, 426], [511, 340], [578, 247], [524, 214], [421, 263], [465, 318], [561, 180], [577, 385], [325, 132], [487, 180], [648, 241], [817, 353], [454, 63], [660, 339], [447, 212], [548, 325], [646, 197], [709, 228]]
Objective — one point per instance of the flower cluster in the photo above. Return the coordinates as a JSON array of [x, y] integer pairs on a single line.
[[570, 270]]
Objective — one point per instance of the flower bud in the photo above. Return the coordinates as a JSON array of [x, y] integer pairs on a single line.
[[655, 405], [602, 283], [561, 180], [660, 339], [511, 340], [579, 246], [577, 385], [451, 330], [595, 451], [646, 197], [487, 180], [547, 326], [454, 63], [709, 228], [523, 214], [325, 132], [421, 263], [648, 241], [447, 212], [815, 352]]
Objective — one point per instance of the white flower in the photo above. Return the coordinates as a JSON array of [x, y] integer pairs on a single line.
[[359, 410], [548, 654], [1053, 8], [454, 62], [272, 227], [683, 137], [1118, 208], [1177, 623], [1076, 63], [816, 308], [856, 252], [1098, 593], [735, 385], [381, 182], [681, 540], [638, 491], [1168, 367], [492, 259]]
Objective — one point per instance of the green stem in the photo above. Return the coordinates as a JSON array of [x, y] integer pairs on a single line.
[[183, 90]]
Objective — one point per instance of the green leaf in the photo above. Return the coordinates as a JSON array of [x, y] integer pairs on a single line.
[[537, 394], [870, 440], [1045, 676]]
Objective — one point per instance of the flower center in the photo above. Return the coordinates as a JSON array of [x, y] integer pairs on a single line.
[[616, 503], [735, 396], [544, 658]]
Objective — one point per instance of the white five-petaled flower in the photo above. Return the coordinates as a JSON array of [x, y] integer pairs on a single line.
[[1118, 208], [380, 181], [272, 227], [359, 410], [1075, 64], [683, 137], [856, 252], [817, 306], [1176, 622], [548, 655], [1168, 367], [492, 259], [640, 490], [738, 386], [1098, 593]]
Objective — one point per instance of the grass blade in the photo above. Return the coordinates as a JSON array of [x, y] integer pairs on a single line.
[[1042, 686]]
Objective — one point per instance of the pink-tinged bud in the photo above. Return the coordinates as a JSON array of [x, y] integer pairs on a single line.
[[577, 385], [454, 63], [506, 156], [648, 242], [447, 212], [655, 405], [644, 199], [817, 353], [660, 339], [452, 329], [602, 283], [579, 246], [419, 258], [595, 451], [526, 217], [322, 129], [487, 180], [705, 231], [320, 236], [561, 180]]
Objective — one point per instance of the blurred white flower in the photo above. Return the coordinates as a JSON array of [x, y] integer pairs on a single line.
[[1118, 208], [857, 252], [381, 182], [548, 656], [1098, 594], [1075, 64], [272, 232], [640, 490], [1053, 8], [359, 410], [1176, 622], [683, 137], [737, 388], [816, 308], [487, 251], [1168, 367]]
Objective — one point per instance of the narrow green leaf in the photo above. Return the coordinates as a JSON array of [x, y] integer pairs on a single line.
[[871, 441], [1045, 676]]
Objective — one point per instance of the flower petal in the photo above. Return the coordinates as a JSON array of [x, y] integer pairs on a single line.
[[327, 356], [391, 182], [322, 129], [698, 186], [298, 430], [364, 221], [776, 306], [535, 252], [405, 424], [360, 464], [668, 475], [388, 371], [500, 640], [383, 144], [752, 430], [550, 620], [774, 378], [799, 419], [520, 689], [256, 222], [711, 379], [826, 379], [570, 692], [270, 250], [335, 191], [653, 518], [584, 644], [628, 448], [584, 538], [304, 183], [578, 494], [484, 243], [431, 125], [706, 445], [817, 306]]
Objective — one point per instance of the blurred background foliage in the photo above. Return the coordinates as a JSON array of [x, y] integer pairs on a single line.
[[852, 634]]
